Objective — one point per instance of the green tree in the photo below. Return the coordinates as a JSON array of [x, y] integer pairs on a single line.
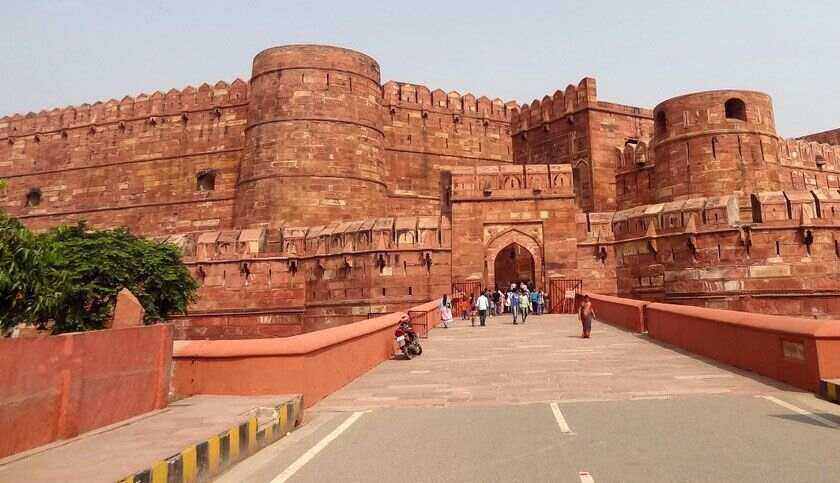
[[74, 275], [28, 282]]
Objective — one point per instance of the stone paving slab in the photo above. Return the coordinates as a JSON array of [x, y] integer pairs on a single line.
[[544, 360], [113, 452]]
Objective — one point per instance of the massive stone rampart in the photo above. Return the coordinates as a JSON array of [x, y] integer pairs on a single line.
[[135, 162], [314, 195]]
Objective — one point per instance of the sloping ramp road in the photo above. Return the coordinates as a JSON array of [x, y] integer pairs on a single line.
[[537, 403]]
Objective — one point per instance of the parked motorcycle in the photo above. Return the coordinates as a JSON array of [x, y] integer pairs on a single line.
[[407, 338]]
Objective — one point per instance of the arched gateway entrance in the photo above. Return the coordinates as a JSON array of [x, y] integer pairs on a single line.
[[513, 264], [513, 257]]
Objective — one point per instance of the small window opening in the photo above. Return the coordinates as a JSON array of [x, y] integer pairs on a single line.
[[410, 291], [383, 291], [778, 248], [660, 124], [33, 198], [820, 161], [206, 180], [736, 109]]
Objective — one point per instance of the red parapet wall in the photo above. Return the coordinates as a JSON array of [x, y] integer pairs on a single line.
[[60, 386], [797, 351], [793, 350], [315, 364], [625, 313]]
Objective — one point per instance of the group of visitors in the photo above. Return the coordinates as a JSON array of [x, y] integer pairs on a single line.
[[519, 301]]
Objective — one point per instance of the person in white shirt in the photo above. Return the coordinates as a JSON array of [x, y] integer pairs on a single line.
[[483, 306], [445, 311]]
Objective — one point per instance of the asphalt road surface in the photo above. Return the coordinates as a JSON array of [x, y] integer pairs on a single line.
[[537, 403]]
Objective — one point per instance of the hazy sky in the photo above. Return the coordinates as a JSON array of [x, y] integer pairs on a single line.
[[58, 53]]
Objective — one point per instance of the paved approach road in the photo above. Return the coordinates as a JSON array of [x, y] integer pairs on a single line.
[[537, 403]]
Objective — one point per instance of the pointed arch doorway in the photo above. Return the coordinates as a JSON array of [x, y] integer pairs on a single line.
[[513, 257], [514, 264]]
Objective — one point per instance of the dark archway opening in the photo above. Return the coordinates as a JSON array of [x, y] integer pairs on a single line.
[[735, 109], [514, 264], [33, 198], [206, 180], [660, 124]]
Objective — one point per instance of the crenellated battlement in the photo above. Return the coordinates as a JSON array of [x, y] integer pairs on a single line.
[[551, 108], [313, 194], [174, 102], [766, 208], [403, 94], [337, 238], [506, 182], [807, 154], [634, 156]]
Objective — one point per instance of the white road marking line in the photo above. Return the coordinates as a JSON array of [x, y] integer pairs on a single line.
[[804, 412], [586, 477], [561, 421], [313, 451]]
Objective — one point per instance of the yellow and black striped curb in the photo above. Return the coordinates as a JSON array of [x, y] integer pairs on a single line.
[[200, 462], [830, 390]]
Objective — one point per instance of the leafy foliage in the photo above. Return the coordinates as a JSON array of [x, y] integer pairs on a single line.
[[69, 277]]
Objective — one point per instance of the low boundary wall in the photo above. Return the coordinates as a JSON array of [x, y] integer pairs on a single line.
[[60, 386], [314, 364], [797, 351], [800, 352], [626, 313]]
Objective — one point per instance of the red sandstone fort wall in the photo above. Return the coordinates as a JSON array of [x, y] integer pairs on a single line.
[[128, 163], [573, 127], [777, 253], [256, 283], [828, 137], [703, 149], [315, 139], [336, 198], [532, 206], [427, 131]]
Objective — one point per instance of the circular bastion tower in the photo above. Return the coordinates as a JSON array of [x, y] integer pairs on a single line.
[[314, 140], [715, 143]]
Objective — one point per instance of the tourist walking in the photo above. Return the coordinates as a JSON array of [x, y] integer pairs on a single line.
[[535, 302], [445, 311], [524, 304], [497, 300], [483, 306], [513, 297], [466, 301], [586, 314]]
